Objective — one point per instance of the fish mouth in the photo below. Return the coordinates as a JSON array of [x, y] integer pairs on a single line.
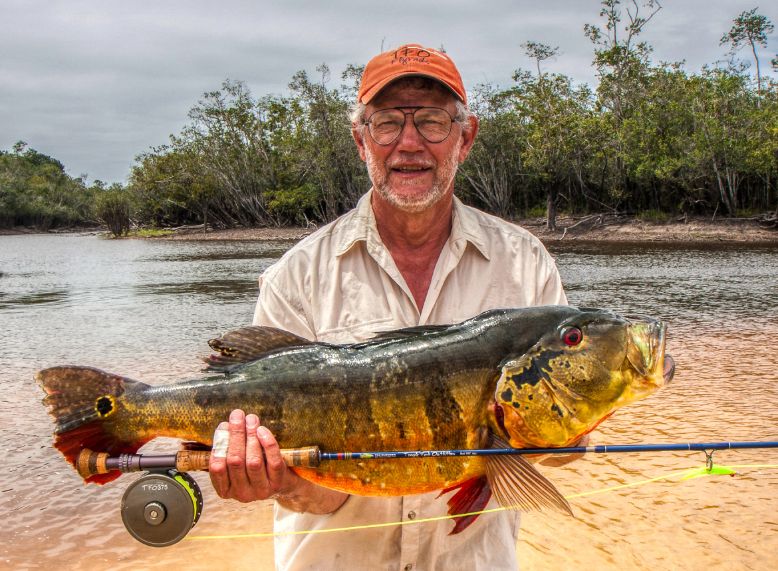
[[669, 368], [646, 349]]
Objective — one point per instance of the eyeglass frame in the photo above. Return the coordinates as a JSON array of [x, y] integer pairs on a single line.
[[415, 108]]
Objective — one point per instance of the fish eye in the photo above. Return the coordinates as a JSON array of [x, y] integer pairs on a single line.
[[572, 336]]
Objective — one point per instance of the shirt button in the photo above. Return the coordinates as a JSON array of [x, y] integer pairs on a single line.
[[408, 567], [411, 515]]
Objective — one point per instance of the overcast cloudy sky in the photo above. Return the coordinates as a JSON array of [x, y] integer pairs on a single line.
[[93, 83]]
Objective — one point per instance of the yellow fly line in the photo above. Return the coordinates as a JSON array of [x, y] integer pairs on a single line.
[[681, 474]]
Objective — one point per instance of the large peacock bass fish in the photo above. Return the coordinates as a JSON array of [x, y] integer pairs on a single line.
[[531, 377]]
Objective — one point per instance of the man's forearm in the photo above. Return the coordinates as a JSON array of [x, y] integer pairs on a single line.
[[308, 497]]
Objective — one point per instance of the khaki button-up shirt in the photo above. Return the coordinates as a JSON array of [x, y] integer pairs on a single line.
[[341, 285]]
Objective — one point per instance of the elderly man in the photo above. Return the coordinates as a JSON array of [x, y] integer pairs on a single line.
[[409, 254]]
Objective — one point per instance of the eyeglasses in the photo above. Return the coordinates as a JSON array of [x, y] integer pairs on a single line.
[[432, 123]]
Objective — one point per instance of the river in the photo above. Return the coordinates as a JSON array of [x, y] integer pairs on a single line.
[[145, 308]]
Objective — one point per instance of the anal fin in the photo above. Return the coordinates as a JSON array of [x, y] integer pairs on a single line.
[[473, 495], [518, 485]]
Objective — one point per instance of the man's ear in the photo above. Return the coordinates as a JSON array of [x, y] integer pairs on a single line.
[[468, 138], [358, 133]]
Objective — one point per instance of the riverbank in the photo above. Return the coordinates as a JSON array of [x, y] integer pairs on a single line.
[[595, 228], [592, 228]]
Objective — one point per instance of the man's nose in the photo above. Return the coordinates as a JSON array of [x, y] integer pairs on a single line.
[[409, 138]]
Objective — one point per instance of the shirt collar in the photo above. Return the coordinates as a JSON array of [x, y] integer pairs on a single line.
[[358, 227], [465, 227]]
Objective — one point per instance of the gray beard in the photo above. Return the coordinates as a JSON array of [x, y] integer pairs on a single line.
[[443, 180]]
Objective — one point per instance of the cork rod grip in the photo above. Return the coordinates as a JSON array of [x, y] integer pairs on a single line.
[[191, 460], [89, 463]]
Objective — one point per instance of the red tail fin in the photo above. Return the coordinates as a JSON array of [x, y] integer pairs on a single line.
[[82, 401]]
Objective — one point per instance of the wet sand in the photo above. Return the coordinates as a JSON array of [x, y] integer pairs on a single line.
[[143, 308]]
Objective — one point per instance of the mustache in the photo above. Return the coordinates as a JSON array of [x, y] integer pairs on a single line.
[[399, 163]]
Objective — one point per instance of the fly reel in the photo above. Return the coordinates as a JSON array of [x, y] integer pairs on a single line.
[[160, 508]]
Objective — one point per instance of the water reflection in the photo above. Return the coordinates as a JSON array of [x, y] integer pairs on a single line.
[[145, 309], [38, 298], [216, 251], [223, 289]]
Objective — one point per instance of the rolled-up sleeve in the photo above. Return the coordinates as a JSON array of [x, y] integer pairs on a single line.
[[275, 309], [551, 292]]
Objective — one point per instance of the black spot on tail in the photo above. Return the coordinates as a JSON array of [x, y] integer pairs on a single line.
[[104, 406], [557, 410], [79, 399]]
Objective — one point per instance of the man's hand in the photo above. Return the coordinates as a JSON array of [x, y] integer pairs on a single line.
[[253, 469]]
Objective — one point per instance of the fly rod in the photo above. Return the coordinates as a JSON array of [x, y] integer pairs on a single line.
[[161, 507], [90, 463]]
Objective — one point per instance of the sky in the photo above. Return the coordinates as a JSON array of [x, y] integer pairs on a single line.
[[94, 83]]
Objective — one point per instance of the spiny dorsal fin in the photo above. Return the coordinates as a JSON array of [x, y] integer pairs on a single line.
[[248, 344], [516, 484], [409, 332]]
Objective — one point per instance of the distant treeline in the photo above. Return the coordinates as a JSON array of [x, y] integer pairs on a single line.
[[651, 138]]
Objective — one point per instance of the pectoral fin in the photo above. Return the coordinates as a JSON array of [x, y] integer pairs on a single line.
[[518, 485]]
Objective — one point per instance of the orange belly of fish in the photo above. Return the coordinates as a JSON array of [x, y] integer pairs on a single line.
[[396, 477]]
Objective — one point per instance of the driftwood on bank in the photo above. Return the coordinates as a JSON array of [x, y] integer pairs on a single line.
[[592, 221]]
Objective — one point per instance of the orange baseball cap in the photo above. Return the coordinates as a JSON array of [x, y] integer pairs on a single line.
[[410, 59]]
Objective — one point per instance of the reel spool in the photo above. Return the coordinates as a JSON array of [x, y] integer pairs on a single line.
[[160, 508]]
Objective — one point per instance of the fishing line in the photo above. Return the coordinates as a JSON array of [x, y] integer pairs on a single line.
[[681, 474]]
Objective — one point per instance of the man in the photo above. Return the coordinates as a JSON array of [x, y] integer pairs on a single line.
[[409, 254]]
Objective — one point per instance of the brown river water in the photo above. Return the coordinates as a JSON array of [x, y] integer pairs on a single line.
[[144, 309]]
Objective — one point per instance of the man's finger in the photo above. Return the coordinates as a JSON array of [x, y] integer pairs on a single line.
[[217, 466], [236, 454], [275, 465], [255, 464]]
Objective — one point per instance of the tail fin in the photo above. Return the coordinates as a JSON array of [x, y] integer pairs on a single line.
[[81, 400]]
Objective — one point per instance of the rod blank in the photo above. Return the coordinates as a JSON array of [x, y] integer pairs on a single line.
[[90, 463], [600, 449]]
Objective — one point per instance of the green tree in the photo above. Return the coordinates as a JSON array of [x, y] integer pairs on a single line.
[[751, 29], [724, 131], [325, 149], [36, 191], [493, 175], [113, 207]]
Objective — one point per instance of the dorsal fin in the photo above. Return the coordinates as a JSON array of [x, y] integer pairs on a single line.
[[408, 332], [248, 344]]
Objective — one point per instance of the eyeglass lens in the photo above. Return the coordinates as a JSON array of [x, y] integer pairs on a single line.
[[432, 123]]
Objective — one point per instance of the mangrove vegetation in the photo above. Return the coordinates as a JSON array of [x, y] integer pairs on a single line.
[[650, 138]]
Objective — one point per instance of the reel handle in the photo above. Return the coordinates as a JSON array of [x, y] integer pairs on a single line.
[[90, 463]]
